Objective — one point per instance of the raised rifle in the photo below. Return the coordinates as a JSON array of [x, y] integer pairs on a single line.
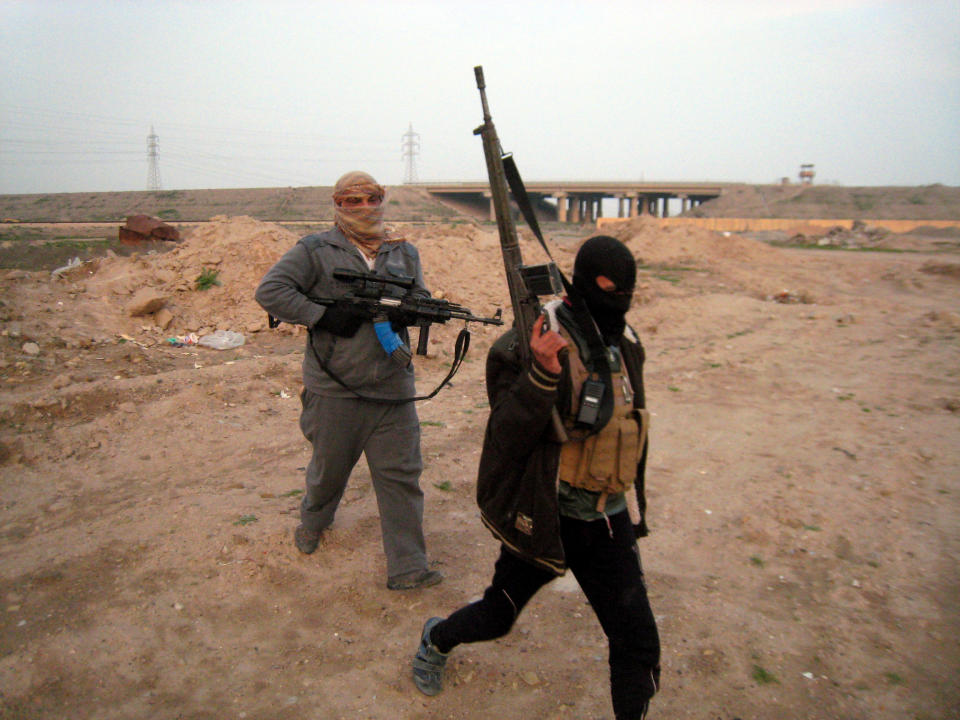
[[527, 283]]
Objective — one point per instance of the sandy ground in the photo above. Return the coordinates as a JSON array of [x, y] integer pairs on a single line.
[[803, 489]]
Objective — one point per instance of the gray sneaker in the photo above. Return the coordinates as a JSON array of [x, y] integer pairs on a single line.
[[429, 662], [415, 579], [306, 540]]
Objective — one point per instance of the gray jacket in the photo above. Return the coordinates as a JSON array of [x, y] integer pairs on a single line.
[[306, 270]]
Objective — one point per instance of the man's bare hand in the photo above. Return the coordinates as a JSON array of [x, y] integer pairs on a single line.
[[546, 347]]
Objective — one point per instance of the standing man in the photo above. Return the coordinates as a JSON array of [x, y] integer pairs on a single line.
[[563, 500], [356, 398]]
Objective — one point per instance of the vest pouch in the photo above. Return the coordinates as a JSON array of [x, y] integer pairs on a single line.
[[629, 453], [632, 439], [602, 468], [575, 457], [607, 462]]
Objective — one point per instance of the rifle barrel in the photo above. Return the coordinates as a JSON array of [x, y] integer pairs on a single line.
[[482, 86]]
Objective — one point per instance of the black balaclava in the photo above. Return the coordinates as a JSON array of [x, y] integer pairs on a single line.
[[604, 255]]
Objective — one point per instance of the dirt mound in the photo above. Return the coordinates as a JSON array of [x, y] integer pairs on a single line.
[[233, 253], [859, 236], [949, 269], [459, 263], [462, 264], [654, 244]]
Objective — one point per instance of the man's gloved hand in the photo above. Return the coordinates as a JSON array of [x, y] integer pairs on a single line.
[[400, 319], [342, 319]]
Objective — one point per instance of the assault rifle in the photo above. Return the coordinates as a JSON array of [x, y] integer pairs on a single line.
[[527, 283], [370, 297]]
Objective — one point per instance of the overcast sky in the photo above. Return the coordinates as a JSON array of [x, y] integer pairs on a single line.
[[246, 93]]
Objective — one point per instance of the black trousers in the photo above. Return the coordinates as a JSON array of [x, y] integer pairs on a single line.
[[606, 562]]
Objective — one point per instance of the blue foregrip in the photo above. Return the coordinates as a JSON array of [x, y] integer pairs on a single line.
[[388, 338]]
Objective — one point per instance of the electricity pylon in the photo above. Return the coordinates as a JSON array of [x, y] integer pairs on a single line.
[[153, 169], [411, 148]]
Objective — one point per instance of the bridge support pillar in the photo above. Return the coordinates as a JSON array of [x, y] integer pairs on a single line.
[[561, 207], [493, 210]]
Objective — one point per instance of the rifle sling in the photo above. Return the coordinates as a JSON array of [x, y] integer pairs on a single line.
[[519, 192], [459, 353], [598, 353]]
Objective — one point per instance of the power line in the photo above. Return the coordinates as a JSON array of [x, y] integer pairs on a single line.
[[39, 137]]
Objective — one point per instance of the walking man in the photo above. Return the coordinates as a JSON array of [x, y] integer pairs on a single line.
[[356, 398], [564, 501]]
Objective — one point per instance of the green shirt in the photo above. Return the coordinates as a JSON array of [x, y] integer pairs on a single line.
[[582, 504]]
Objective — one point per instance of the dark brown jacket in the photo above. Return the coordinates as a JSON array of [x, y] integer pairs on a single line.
[[517, 478]]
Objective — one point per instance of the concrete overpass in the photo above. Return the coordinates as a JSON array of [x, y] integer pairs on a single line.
[[582, 201]]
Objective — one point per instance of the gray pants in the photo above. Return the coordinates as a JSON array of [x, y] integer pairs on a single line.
[[340, 429]]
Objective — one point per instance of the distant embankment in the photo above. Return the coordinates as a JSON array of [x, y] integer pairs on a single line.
[[177, 206], [787, 224], [826, 203], [737, 204]]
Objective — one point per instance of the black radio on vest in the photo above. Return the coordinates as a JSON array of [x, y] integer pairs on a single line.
[[590, 399]]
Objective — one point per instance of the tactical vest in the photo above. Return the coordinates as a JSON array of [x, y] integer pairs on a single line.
[[604, 462]]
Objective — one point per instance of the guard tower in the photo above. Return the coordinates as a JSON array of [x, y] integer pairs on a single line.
[[806, 174]]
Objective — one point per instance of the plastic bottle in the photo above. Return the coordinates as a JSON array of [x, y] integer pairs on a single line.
[[222, 340]]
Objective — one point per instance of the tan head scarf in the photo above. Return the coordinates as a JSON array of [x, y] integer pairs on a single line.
[[362, 225]]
